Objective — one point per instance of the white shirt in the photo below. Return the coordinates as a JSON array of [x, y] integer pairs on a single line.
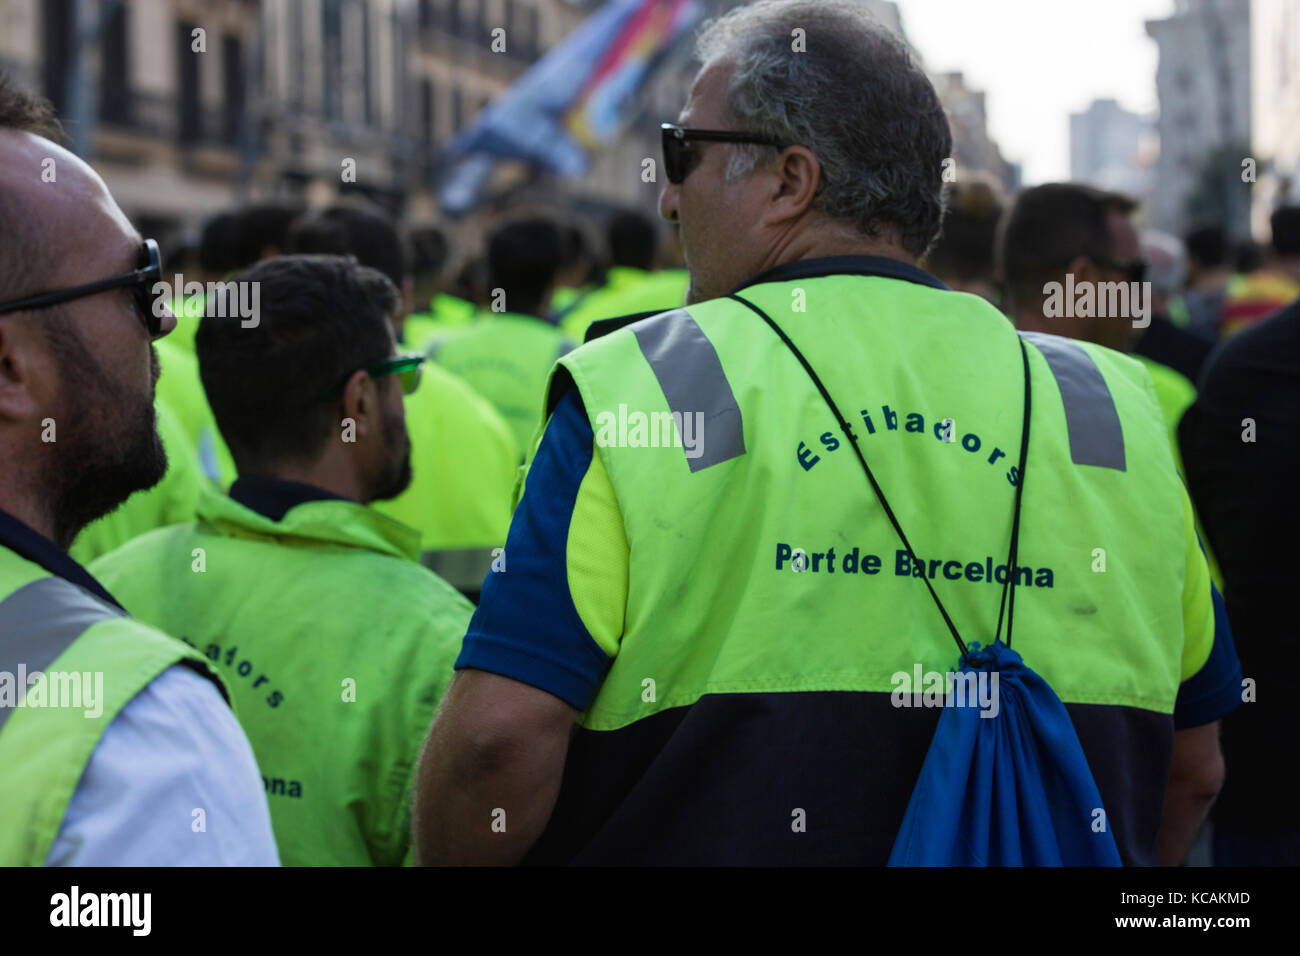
[[174, 749]]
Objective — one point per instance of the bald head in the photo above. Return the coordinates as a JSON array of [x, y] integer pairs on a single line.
[[20, 113], [59, 219], [84, 367]]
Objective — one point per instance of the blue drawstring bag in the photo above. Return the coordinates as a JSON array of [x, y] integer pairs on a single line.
[[1009, 789], [1012, 789]]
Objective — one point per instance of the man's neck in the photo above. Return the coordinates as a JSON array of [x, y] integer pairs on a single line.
[[24, 494], [823, 242], [1289, 266], [1027, 320], [334, 480], [1210, 280], [25, 510]]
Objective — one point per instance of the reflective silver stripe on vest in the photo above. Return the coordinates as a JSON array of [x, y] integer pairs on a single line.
[[690, 374], [1090, 415], [40, 620]]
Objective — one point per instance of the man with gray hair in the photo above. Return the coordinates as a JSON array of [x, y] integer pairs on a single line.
[[702, 650]]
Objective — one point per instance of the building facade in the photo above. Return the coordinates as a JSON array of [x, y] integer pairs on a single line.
[[974, 150], [1113, 148], [188, 106], [1203, 81], [1275, 112]]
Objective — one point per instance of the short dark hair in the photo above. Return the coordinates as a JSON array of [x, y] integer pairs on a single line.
[[215, 254], [1208, 245], [26, 112], [468, 281], [633, 240], [429, 251], [353, 229], [1285, 223], [1047, 226], [523, 259], [574, 243], [237, 239], [965, 248], [1246, 257], [319, 319], [579, 259]]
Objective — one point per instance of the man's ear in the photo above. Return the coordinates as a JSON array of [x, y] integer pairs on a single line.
[[21, 357], [360, 402], [1083, 269], [408, 295], [797, 176]]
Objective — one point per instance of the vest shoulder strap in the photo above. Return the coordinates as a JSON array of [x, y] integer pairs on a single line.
[[73, 663], [1086, 377], [689, 373]]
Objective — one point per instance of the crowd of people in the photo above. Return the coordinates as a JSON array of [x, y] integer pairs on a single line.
[[369, 582]]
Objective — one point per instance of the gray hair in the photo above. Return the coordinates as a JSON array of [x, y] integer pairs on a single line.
[[856, 98]]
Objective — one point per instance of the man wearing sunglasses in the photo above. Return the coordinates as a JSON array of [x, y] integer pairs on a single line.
[[464, 457], [1071, 232], [1082, 238], [333, 639], [733, 702], [109, 782]]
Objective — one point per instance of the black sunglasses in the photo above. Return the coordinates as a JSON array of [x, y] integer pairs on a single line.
[[678, 155], [141, 278]]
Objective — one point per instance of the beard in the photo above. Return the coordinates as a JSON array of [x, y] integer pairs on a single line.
[[396, 476], [107, 447]]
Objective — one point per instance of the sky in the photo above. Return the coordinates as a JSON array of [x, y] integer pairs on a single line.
[[1038, 61]]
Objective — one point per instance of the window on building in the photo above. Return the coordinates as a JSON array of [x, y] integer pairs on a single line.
[[532, 33], [521, 27], [59, 49], [367, 81], [478, 26], [114, 66], [397, 60], [232, 86], [442, 13], [428, 129], [189, 103], [295, 66], [332, 50]]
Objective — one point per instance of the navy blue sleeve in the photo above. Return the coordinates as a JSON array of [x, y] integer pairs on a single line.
[[526, 626], [1214, 691]]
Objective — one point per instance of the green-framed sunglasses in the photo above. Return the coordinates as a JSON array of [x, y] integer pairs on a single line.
[[409, 366]]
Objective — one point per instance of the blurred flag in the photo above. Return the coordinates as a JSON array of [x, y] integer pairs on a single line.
[[579, 96]]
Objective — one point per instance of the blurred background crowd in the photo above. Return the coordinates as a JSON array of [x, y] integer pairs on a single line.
[[497, 161]]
